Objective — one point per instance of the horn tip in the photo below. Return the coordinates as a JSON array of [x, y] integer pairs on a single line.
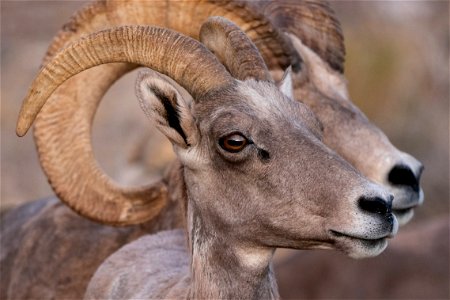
[[22, 127]]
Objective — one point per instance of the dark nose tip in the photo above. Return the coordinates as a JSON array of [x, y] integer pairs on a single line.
[[403, 175], [376, 205]]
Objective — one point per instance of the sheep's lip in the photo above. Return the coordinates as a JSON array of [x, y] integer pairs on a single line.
[[358, 247], [339, 234]]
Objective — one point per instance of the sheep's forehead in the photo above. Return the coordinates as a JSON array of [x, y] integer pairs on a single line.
[[261, 102], [266, 100], [269, 103]]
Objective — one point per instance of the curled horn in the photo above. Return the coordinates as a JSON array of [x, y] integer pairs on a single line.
[[274, 45], [234, 49], [62, 129], [185, 60], [66, 119], [313, 22]]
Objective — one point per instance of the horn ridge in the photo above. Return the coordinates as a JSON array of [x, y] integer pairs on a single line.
[[87, 189], [113, 45], [73, 26], [273, 44], [234, 49], [74, 103], [314, 23], [78, 179]]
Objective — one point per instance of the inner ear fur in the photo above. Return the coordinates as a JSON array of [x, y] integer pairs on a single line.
[[286, 85], [168, 105], [316, 71]]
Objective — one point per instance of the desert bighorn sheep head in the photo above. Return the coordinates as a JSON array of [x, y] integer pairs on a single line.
[[314, 47], [257, 178], [321, 85], [348, 131], [253, 158]]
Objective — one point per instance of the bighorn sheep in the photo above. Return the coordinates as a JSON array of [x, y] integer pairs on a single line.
[[284, 32], [236, 142], [235, 139], [251, 17]]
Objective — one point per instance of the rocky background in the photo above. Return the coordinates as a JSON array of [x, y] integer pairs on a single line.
[[397, 66]]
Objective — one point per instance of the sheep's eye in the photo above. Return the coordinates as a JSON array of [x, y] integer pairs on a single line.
[[234, 142]]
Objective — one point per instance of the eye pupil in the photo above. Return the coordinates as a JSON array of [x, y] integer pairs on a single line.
[[233, 142]]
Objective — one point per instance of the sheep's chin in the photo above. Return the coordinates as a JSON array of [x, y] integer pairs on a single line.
[[361, 248]]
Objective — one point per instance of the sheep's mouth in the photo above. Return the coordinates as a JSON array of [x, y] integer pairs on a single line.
[[367, 242], [357, 246]]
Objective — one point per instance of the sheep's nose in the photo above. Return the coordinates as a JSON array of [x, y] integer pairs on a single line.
[[403, 175], [376, 205]]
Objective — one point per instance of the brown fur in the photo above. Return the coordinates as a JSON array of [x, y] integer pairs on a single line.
[[47, 226], [50, 252], [74, 104], [81, 82], [313, 22], [348, 131], [152, 265], [232, 233], [87, 190], [240, 206]]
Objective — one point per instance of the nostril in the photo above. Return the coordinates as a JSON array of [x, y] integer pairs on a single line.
[[375, 205], [403, 175]]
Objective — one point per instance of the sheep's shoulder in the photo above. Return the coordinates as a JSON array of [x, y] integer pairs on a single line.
[[153, 266], [47, 251]]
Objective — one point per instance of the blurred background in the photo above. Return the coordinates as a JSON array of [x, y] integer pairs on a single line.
[[397, 65]]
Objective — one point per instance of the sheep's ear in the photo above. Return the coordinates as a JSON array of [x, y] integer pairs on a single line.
[[329, 82], [285, 85], [168, 105]]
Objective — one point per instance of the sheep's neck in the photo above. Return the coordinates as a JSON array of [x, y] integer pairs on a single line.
[[225, 269]]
